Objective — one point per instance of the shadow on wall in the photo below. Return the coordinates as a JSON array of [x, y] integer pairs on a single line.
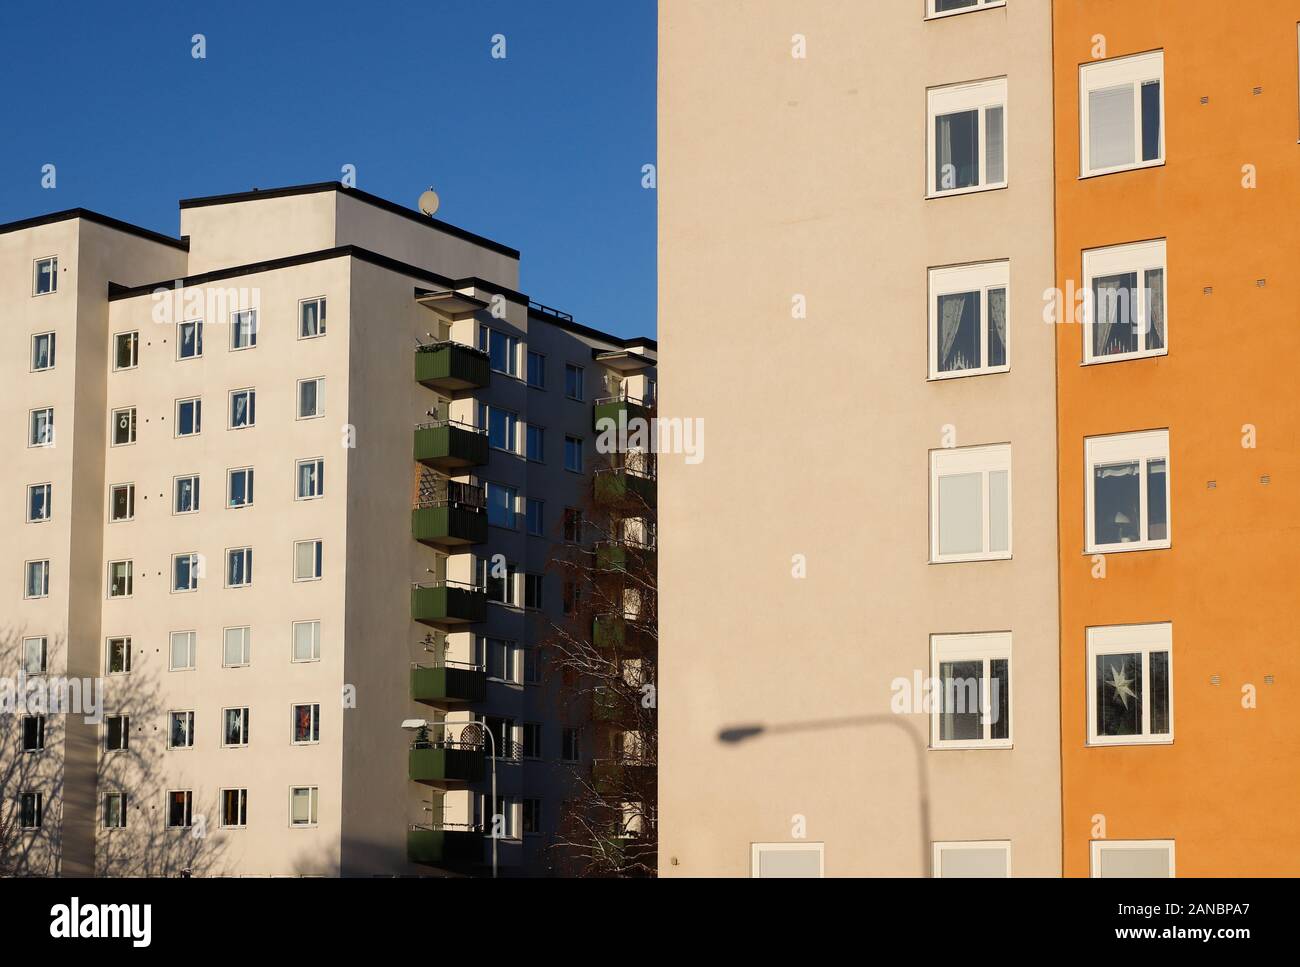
[[748, 732]]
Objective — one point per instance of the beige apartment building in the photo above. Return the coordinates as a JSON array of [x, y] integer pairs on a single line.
[[856, 213], [308, 468]]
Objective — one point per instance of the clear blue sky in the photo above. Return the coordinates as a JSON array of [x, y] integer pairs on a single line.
[[541, 151]]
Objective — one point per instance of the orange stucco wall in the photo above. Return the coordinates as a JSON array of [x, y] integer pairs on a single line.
[[1226, 788]]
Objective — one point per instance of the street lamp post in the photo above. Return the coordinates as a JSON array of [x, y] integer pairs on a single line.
[[413, 724]]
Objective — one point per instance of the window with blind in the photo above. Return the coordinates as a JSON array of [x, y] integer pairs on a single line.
[[1127, 491], [970, 504], [1121, 111]]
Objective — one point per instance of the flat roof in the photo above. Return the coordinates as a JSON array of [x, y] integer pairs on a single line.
[[92, 216]]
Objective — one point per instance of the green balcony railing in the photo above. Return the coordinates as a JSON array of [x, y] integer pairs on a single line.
[[445, 762], [448, 603], [623, 556], [451, 367], [449, 526], [612, 777], [623, 412], [446, 684], [444, 847], [448, 446]]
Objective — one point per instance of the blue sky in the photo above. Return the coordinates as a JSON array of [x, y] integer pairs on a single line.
[[541, 151]]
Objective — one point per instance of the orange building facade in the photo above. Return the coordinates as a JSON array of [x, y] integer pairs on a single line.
[[1177, 253]]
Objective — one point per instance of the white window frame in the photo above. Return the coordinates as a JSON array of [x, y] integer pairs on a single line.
[[38, 800], [512, 427], [189, 808], [315, 723], [980, 277], [1096, 846], [1140, 447], [246, 634], [126, 655], [984, 460], [198, 417], [192, 648], [44, 564], [320, 478], [1137, 257], [244, 730], [33, 438], [189, 731], [121, 810], [315, 641], [985, 647], [756, 851], [512, 345], [251, 330], [130, 579], [321, 305], [130, 414], [938, 848], [932, 14], [45, 654], [241, 799], [251, 408], [1133, 69], [318, 554], [124, 719], [196, 565], [54, 275], [51, 336], [955, 99], [176, 494], [512, 494], [1122, 640], [130, 502], [313, 806], [320, 398], [198, 339], [247, 552], [250, 485], [48, 487]]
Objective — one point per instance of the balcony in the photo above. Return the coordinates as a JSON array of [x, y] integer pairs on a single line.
[[445, 761], [630, 489], [623, 412], [439, 846], [449, 515], [448, 603], [448, 684], [619, 633], [450, 446], [451, 368], [605, 706], [621, 777], [619, 556]]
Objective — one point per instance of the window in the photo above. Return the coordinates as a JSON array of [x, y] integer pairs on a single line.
[[311, 318], [1121, 113], [535, 443], [532, 590], [184, 647], [536, 370], [35, 655], [302, 806], [306, 641], [189, 417], [773, 861], [307, 560], [117, 733], [306, 724], [532, 740], [234, 727], [972, 860], [243, 408], [120, 579], [243, 329], [115, 810], [240, 487], [239, 567], [532, 666], [969, 324], [234, 808], [501, 505], [33, 733], [499, 581], [532, 810], [31, 811], [573, 381], [570, 596], [1127, 491], [944, 8], [573, 454], [124, 426], [126, 350], [42, 351], [180, 809], [40, 427], [121, 502], [180, 730], [38, 503], [37, 584], [1145, 858], [973, 707], [237, 647], [569, 749], [311, 398], [185, 572], [967, 137], [1124, 302], [501, 822], [45, 277], [572, 525], [502, 350], [533, 516], [311, 478], [1130, 681], [501, 426], [970, 504], [189, 339], [500, 659], [187, 494], [119, 655]]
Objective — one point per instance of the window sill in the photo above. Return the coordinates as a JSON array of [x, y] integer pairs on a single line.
[[971, 559], [1127, 548], [1095, 742], [974, 190], [1124, 357], [963, 373], [964, 10], [998, 745], [1115, 171]]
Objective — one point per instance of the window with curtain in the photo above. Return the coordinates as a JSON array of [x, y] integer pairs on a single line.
[[243, 408], [967, 137], [969, 325], [1128, 491], [1124, 316], [1130, 684], [972, 673], [1121, 105], [939, 8]]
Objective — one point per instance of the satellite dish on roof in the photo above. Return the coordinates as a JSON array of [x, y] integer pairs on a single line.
[[429, 202]]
